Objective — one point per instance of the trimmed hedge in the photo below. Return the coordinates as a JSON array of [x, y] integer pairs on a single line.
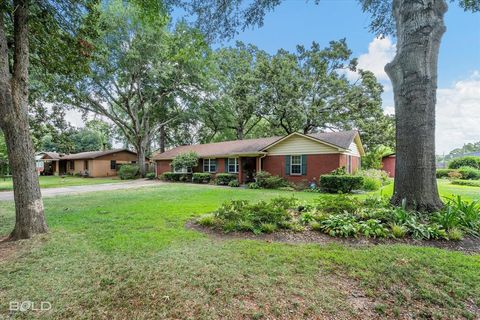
[[469, 161], [234, 184], [469, 183], [128, 171], [340, 183], [469, 173], [150, 176], [201, 177], [223, 179], [176, 177], [443, 173]]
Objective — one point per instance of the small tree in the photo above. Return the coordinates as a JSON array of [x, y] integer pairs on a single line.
[[373, 158], [185, 160]]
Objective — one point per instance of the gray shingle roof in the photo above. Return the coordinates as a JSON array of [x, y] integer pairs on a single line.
[[341, 139], [93, 154]]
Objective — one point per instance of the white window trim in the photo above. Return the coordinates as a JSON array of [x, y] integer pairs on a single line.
[[297, 164], [182, 170], [210, 165], [233, 164]]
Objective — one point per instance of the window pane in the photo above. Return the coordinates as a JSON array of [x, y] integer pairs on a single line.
[[296, 169], [297, 160], [232, 165]]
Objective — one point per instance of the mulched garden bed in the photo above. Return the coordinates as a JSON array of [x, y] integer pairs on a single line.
[[467, 245]]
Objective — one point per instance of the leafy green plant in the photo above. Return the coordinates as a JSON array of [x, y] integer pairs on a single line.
[[207, 220], [373, 179], [340, 183], [307, 217], [186, 160], [176, 177], [234, 184], [443, 173], [268, 227], [253, 185], [372, 228], [150, 176], [468, 214], [469, 173], [342, 225], [455, 234], [468, 161], [398, 232], [266, 181], [337, 204], [128, 171], [201, 177], [223, 179], [470, 183]]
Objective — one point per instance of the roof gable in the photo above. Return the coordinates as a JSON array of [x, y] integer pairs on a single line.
[[297, 143]]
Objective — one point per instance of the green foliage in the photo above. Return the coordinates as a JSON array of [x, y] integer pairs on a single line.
[[455, 234], [185, 161], [207, 220], [373, 228], [234, 184], [373, 179], [468, 213], [4, 168], [398, 232], [128, 171], [444, 173], [466, 183], [469, 173], [223, 179], [340, 183], [150, 176], [337, 204], [176, 177], [265, 180], [373, 158], [468, 161], [201, 177], [342, 225], [253, 185]]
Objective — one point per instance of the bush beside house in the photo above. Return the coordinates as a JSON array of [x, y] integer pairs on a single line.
[[128, 172]]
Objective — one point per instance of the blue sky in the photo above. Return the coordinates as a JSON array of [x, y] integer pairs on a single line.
[[458, 110]]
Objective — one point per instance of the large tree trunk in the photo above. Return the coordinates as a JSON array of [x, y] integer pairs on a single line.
[[30, 218], [141, 157], [413, 73]]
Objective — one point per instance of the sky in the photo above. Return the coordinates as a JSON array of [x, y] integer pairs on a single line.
[[458, 98]]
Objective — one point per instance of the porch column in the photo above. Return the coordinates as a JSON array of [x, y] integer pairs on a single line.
[[258, 167], [240, 171], [56, 172]]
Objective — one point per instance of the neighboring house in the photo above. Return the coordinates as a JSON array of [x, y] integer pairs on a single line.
[[93, 163], [296, 157], [388, 164]]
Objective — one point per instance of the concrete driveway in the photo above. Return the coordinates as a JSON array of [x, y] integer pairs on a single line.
[[53, 192]]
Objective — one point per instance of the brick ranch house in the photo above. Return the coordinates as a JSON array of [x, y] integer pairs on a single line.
[[296, 157], [95, 163]]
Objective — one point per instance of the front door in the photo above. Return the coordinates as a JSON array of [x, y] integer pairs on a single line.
[[249, 169]]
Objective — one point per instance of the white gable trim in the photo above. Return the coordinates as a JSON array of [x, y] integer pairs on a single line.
[[337, 148]]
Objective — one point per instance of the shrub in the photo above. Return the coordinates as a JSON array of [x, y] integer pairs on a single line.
[[340, 183], [469, 183], [468, 213], [150, 176], [128, 171], [176, 177], [234, 184], [337, 205], [469, 173], [265, 180], [379, 175], [201, 177], [468, 161], [253, 185], [223, 179], [443, 173], [268, 227], [455, 175], [371, 184], [448, 218]]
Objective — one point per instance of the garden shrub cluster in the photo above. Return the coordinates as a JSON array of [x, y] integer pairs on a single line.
[[150, 176], [373, 179], [265, 180], [340, 183], [444, 173], [469, 161], [469, 173], [128, 171], [345, 216], [176, 177], [223, 179], [201, 177]]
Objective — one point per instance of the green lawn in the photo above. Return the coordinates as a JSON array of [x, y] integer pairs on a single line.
[[55, 182], [127, 255]]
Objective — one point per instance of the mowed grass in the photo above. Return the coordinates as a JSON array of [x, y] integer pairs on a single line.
[[56, 182], [127, 255]]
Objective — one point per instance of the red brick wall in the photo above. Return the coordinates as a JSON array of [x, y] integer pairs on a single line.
[[164, 166], [389, 166], [356, 162], [317, 164]]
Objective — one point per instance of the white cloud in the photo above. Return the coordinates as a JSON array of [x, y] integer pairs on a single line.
[[458, 114], [380, 52]]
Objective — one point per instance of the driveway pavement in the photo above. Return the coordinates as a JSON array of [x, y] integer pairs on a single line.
[[53, 192]]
